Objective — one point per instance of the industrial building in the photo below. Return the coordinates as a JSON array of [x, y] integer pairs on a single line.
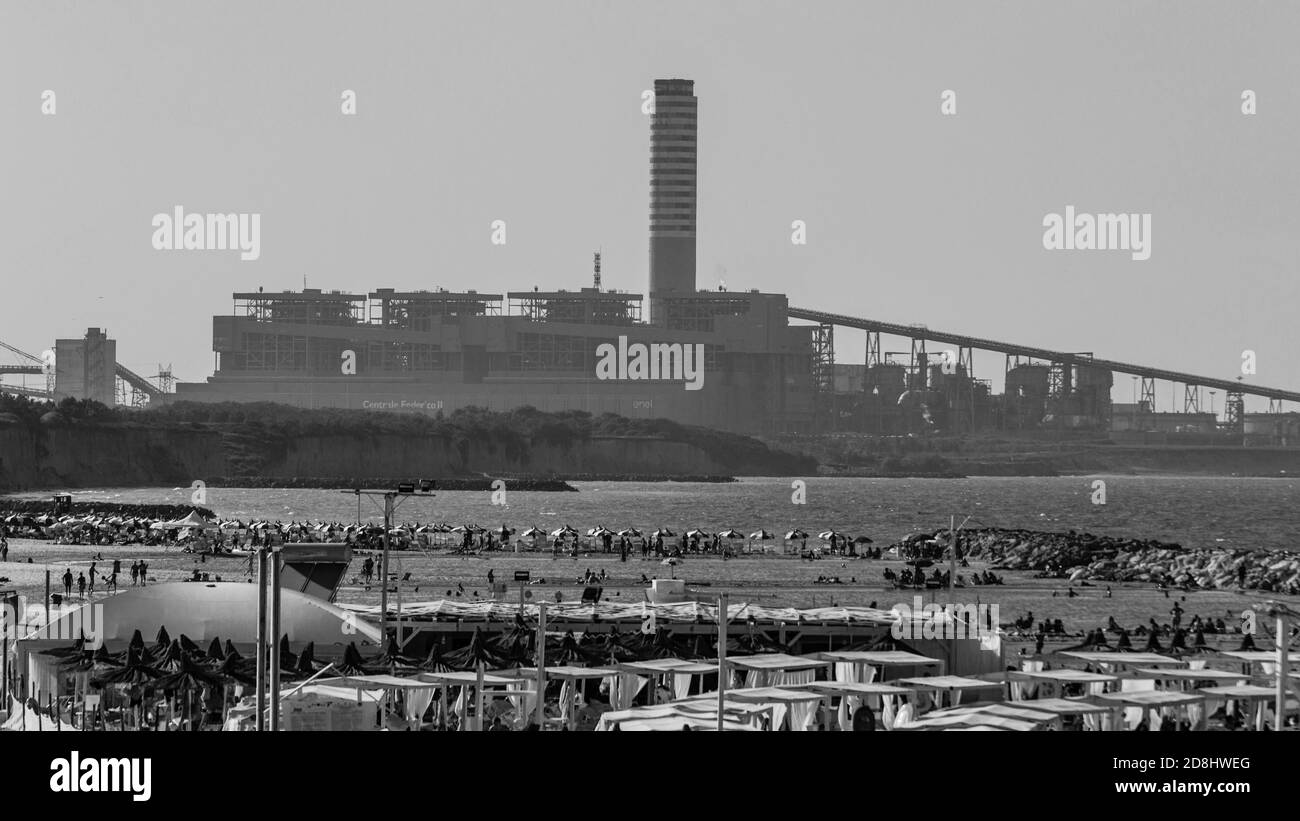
[[85, 368], [767, 366], [440, 350], [436, 351]]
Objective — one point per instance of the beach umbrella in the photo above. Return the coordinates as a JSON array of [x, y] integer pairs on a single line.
[[133, 673], [672, 562], [696, 533], [215, 653], [629, 532], [162, 643], [1179, 642], [1247, 644], [136, 645], [611, 647], [731, 533], [471, 655], [533, 532], [237, 671], [352, 664], [661, 645], [1153, 643], [76, 650], [436, 661], [187, 677], [519, 631], [862, 540], [306, 665], [231, 652], [569, 653], [1124, 644], [827, 535], [794, 535], [96, 660], [288, 659], [563, 532], [502, 532], [754, 644], [171, 660], [1096, 640], [394, 659], [761, 535], [597, 532], [663, 532]]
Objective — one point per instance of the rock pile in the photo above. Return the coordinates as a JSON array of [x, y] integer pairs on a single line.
[[1079, 556]]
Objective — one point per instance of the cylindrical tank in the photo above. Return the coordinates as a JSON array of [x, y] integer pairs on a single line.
[[1032, 378], [1086, 376]]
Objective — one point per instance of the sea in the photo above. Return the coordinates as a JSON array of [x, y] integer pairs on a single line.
[[1253, 513]]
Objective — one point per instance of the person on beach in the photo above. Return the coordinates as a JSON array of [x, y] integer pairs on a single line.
[[91, 574], [67, 582], [111, 582], [4, 549], [81, 585], [135, 573], [144, 573]]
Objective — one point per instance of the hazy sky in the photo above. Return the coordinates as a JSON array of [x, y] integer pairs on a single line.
[[530, 112]]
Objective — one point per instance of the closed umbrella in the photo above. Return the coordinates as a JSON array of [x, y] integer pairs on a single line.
[[352, 663], [476, 652], [436, 661]]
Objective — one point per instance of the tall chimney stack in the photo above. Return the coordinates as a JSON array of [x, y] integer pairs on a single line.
[[672, 191]]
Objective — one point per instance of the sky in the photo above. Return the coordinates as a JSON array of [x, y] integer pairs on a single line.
[[531, 113]]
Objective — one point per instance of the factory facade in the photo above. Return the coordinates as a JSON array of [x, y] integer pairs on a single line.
[[438, 350]]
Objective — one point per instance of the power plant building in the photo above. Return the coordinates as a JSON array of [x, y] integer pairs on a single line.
[[439, 350]]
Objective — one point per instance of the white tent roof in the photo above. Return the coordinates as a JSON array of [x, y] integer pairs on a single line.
[[775, 661], [1145, 659], [205, 610], [879, 658]]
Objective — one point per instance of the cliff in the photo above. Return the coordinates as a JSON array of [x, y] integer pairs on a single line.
[[82, 445]]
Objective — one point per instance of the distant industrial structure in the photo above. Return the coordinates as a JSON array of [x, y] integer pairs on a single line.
[[768, 367], [85, 368]]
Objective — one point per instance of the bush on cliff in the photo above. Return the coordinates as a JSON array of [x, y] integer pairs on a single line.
[[262, 428]]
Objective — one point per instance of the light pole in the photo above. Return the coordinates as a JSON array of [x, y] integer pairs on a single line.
[[390, 504], [1212, 392]]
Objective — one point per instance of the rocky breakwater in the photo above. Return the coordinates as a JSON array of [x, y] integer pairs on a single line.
[[1079, 556]]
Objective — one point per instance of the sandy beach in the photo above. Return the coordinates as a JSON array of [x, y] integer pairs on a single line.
[[771, 579]]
